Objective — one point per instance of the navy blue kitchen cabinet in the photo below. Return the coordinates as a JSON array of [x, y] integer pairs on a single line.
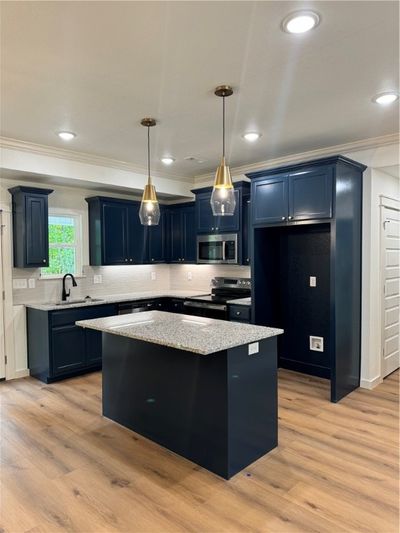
[[321, 238], [116, 236], [57, 348], [182, 241], [208, 223], [246, 244], [284, 197], [30, 226]]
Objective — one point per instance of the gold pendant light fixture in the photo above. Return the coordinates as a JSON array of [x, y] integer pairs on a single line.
[[223, 201], [149, 212]]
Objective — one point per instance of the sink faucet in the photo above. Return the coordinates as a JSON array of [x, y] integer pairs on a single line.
[[65, 294]]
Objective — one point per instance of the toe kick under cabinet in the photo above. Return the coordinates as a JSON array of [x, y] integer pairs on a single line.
[[57, 348]]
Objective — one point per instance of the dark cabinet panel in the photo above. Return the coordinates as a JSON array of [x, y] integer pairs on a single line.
[[115, 222], [30, 227], [182, 232], [157, 240], [270, 203], [93, 347], [69, 349], [310, 194], [138, 237], [246, 241], [208, 223], [239, 313]]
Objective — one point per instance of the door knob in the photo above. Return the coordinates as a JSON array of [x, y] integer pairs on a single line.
[[283, 218], [290, 218]]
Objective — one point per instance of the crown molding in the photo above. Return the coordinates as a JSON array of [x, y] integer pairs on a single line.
[[81, 157], [339, 149]]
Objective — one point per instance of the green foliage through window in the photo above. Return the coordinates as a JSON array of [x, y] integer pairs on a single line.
[[62, 246]]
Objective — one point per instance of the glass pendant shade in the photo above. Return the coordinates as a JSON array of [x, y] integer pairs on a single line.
[[223, 200], [149, 212]]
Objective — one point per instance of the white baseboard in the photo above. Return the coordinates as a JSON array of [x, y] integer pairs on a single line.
[[370, 383], [21, 373]]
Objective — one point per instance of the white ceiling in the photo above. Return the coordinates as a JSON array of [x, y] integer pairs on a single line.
[[97, 68]]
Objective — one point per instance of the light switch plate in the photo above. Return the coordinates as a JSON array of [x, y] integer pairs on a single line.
[[153, 276], [313, 281], [31, 283], [316, 344], [20, 283], [97, 278], [254, 347]]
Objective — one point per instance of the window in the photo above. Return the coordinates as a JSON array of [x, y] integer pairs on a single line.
[[64, 244]]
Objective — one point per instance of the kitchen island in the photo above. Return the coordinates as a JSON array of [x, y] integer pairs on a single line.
[[203, 388]]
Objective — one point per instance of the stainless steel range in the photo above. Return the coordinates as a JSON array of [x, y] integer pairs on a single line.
[[214, 305]]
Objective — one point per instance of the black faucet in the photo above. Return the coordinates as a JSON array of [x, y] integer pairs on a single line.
[[65, 294]]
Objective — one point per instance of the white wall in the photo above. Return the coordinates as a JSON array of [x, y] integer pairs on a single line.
[[376, 183]]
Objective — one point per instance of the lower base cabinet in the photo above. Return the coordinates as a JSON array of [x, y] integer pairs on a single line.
[[57, 348]]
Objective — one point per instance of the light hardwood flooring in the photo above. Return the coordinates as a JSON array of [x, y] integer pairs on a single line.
[[65, 468]]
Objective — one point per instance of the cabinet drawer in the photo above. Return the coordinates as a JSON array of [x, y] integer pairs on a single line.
[[70, 316], [240, 313]]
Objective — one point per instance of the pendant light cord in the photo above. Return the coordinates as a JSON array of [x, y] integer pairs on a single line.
[[148, 153], [223, 126]]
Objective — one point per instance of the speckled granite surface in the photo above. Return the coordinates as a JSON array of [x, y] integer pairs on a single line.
[[184, 332], [241, 301], [115, 298]]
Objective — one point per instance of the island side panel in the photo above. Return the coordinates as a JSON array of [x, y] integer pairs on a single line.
[[253, 403], [173, 397]]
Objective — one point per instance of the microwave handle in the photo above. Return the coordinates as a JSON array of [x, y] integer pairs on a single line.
[[223, 250]]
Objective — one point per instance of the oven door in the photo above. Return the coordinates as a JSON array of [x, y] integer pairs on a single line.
[[217, 249], [209, 310]]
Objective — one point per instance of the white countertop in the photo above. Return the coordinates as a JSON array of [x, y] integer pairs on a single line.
[[115, 298], [185, 332]]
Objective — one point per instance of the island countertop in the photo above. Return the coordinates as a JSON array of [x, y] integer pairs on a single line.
[[185, 332]]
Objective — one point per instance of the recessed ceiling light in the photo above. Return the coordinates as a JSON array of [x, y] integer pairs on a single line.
[[167, 160], [252, 136], [385, 98], [66, 135], [300, 21]]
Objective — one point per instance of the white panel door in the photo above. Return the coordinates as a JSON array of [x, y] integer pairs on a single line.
[[2, 338], [391, 290]]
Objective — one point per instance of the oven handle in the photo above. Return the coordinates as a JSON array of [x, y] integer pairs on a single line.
[[203, 305]]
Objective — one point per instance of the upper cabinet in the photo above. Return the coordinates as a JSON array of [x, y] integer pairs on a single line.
[[299, 193], [182, 233], [206, 222], [116, 236], [30, 226]]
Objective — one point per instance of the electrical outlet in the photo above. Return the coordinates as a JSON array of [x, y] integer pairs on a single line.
[[20, 283], [31, 283], [254, 347], [316, 344], [153, 276], [97, 278], [189, 276], [313, 281]]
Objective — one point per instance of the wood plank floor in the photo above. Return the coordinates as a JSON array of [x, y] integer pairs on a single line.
[[65, 468]]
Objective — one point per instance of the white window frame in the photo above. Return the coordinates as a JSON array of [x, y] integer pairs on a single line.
[[77, 216]]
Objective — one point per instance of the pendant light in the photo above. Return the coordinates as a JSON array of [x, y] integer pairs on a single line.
[[149, 212], [223, 195]]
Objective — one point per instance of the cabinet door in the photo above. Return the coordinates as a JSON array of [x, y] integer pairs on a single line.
[[115, 233], [230, 223], [188, 237], [310, 194], [157, 241], [37, 234], [93, 347], [176, 235], [270, 200], [246, 248], [205, 219], [138, 251], [68, 349]]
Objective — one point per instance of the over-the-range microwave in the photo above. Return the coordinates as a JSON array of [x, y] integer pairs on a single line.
[[217, 248]]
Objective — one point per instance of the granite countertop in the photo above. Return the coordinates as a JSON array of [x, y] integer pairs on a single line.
[[115, 298], [185, 332], [241, 301]]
